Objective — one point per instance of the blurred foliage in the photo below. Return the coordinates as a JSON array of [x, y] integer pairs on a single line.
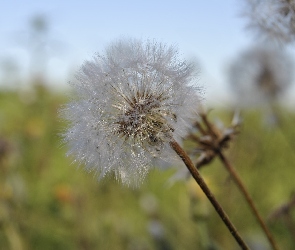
[[48, 202]]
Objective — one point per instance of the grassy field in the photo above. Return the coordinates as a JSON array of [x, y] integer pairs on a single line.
[[48, 202]]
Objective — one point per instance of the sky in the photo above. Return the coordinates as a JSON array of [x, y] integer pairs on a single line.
[[212, 33]]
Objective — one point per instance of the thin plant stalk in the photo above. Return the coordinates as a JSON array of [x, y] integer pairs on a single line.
[[199, 179], [248, 198], [218, 151]]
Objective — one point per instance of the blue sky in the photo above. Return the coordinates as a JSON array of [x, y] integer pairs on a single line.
[[212, 32]]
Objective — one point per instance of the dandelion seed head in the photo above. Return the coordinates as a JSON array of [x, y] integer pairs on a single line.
[[129, 102], [272, 19], [260, 75]]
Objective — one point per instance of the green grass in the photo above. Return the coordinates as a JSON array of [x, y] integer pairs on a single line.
[[47, 202]]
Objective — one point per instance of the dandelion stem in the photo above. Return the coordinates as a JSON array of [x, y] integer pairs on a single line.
[[197, 176], [248, 198]]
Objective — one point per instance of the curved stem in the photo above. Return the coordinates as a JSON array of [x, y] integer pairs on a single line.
[[248, 198], [197, 176]]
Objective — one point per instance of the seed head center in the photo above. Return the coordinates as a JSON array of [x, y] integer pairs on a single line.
[[142, 119]]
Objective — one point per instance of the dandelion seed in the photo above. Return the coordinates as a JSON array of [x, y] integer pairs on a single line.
[[129, 103]]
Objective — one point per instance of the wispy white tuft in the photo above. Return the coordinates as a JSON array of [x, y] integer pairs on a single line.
[[273, 19], [260, 75], [129, 103]]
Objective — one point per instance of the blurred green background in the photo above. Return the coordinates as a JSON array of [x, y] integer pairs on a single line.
[[48, 202]]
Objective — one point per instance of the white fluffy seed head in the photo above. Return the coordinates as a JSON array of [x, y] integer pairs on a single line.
[[272, 19], [129, 103], [260, 75]]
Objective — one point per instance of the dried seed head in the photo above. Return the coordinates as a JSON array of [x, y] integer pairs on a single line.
[[273, 19], [130, 102], [260, 74]]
